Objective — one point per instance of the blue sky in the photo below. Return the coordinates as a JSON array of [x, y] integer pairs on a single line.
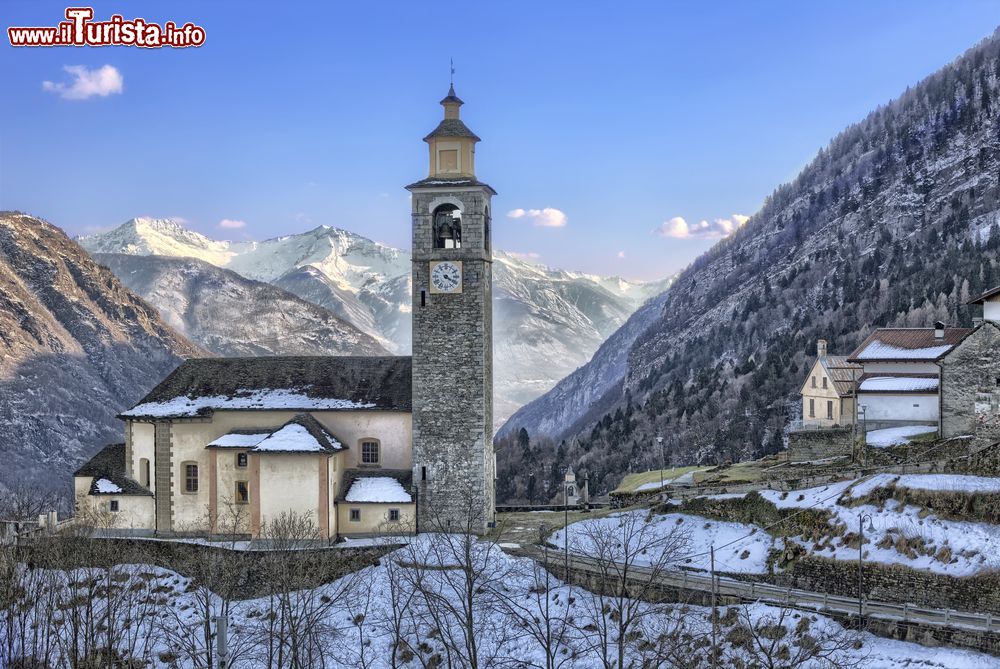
[[622, 116]]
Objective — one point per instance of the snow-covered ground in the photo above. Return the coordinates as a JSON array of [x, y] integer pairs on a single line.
[[349, 622], [895, 436], [903, 534], [952, 547], [748, 556], [937, 482]]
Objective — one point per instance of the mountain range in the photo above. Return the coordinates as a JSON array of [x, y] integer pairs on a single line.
[[333, 291], [76, 346], [894, 223]]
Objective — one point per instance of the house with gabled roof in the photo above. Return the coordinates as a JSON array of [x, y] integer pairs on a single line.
[[900, 379], [828, 390], [970, 376], [227, 445]]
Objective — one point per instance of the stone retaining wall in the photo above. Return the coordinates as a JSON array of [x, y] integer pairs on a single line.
[[805, 445], [888, 583]]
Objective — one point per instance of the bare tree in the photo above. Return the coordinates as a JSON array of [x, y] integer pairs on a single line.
[[541, 606], [769, 638], [304, 623], [217, 575], [395, 618], [460, 579], [627, 556]]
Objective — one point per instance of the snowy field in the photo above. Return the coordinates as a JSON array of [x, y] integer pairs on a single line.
[[902, 534], [414, 596], [895, 436], [951, 547], [749, 556]]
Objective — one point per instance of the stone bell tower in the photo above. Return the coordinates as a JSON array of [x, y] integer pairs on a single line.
[[453, 463]]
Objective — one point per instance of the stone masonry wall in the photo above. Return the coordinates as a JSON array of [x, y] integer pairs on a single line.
[[806, 445], [889, 583], [453, 367], [970, 386]]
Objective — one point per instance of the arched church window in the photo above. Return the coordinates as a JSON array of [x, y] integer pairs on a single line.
[[447, 227]]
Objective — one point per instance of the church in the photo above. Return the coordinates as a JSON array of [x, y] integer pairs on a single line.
[[359, 445]]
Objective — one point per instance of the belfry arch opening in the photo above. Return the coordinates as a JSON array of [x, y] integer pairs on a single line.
[[447, 227]]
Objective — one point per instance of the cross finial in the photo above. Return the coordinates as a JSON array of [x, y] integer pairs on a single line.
[[452, 63]]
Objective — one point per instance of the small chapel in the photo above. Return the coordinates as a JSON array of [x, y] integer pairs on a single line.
[[359, 445]]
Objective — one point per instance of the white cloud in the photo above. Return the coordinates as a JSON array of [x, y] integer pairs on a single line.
[[548, 217], [621, 254], [86, 83], [232, 224], [719, 228]]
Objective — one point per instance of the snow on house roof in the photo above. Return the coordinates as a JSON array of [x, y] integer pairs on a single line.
[[300, 383], [898, 384], [377, 489], [239, 439], [907, 345], [108, 465], [106, 487]]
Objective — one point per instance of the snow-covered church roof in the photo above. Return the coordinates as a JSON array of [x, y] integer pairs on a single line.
[[302, 434], [386, 486], [299, 383]]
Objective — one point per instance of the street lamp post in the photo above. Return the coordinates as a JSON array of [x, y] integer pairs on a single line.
[[566, 522], [862, 517], [659, 440]]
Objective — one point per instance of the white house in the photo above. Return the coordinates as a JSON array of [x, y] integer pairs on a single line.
[[900, 378]]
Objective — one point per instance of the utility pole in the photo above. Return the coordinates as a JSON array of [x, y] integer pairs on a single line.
[[864, 435], [715, 617], [222, 640]]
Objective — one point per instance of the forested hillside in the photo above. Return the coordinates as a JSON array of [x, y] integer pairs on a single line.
[[893, 224]]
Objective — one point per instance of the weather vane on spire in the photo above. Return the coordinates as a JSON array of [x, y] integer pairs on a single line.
[[452, 62]]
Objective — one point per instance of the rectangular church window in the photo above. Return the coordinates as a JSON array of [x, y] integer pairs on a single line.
[[355, 515], [369, 452], [190, 478], [393, 515], [242, 492]]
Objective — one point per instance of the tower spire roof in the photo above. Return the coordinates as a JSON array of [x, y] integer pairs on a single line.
[[451, 98]]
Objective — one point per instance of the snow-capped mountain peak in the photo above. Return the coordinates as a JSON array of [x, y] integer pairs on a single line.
[[366, 283]]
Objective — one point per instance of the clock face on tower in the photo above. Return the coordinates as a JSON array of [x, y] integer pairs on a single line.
[[446, 276]]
